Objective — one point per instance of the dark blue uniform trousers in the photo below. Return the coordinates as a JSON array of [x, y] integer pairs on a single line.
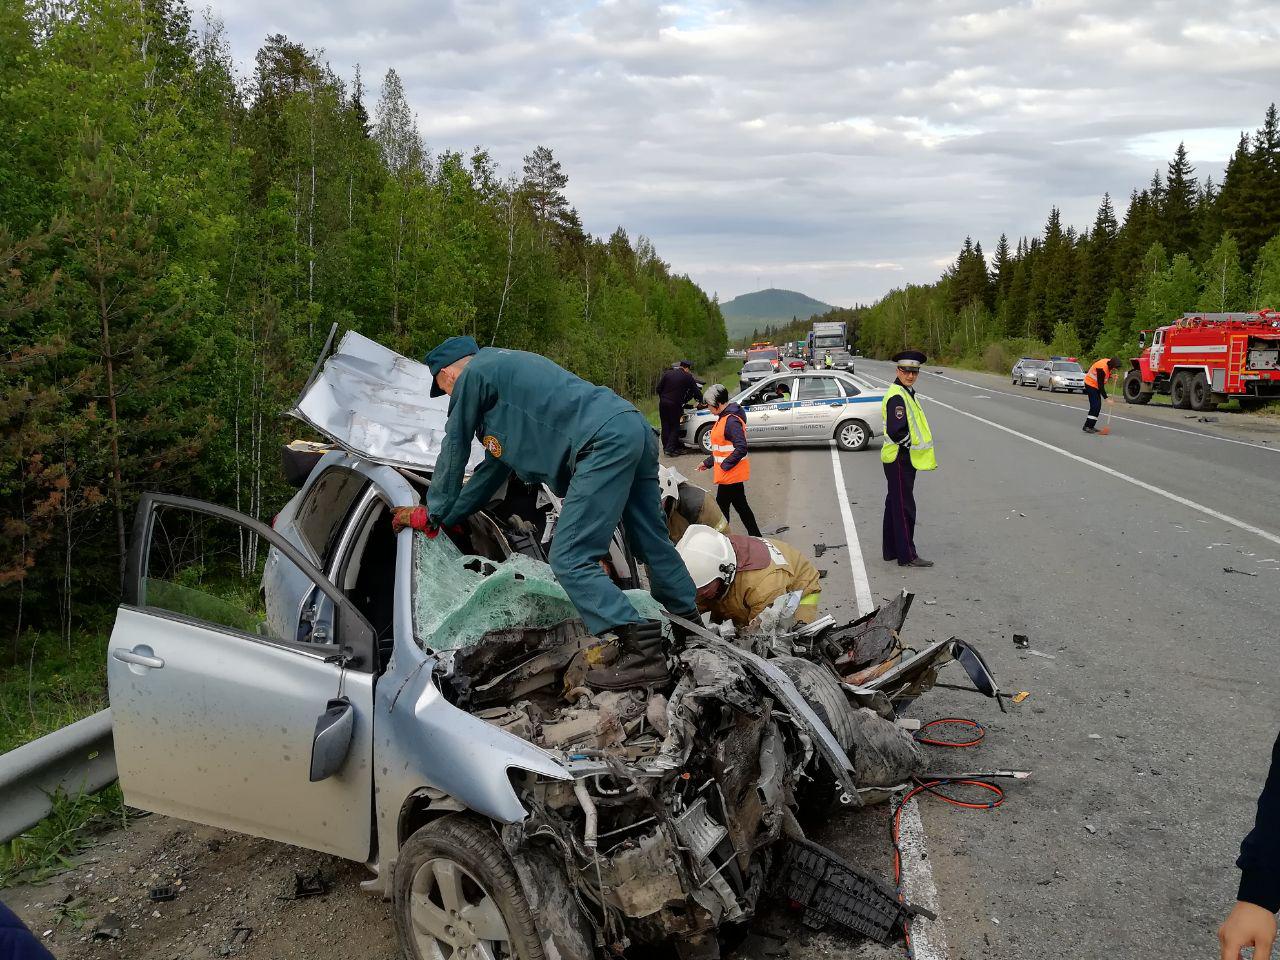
[[1095, 406], [899, 539], [616, 478]]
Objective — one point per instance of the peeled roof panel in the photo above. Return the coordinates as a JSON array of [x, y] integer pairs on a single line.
[[377, 404]]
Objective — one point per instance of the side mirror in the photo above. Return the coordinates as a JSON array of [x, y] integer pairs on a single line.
[[1142, 339], [979, 673], [332, 739]]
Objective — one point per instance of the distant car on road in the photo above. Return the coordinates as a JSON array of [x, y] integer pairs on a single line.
[[1060, 375], [796, 363], [841, 360], [810, 406], [772, 354], [753, 371], [1025, 370]]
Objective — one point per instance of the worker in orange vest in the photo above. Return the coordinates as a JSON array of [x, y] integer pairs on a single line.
[[729, 456], [1095, 386]]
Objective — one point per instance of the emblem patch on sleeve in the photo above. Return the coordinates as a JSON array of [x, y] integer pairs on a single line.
[[493, 445]]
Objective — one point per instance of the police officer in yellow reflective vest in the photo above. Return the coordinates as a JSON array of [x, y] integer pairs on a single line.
[[908, 448]]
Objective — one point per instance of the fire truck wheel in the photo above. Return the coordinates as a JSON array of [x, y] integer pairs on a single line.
[[1133, 392], [1180, 391], [1201, 395]]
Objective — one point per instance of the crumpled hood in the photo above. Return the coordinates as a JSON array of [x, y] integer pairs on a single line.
[[377, 404]]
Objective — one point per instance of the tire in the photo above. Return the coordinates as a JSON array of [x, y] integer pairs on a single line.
[[1201, 394], [1133, 388], [1038, 387], [457, 862], [852, 435], [822, 692], [1180, 391], [702, 439]]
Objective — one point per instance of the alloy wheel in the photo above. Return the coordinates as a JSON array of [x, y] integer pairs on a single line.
[[454, 916], [852, 435]]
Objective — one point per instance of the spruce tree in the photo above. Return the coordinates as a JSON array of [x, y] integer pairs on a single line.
[[1178, 209]]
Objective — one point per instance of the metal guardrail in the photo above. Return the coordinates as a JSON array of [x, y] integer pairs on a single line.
[[79, 758]]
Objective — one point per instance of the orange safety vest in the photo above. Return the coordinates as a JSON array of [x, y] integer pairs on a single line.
[[1097, 374], [721, 447]]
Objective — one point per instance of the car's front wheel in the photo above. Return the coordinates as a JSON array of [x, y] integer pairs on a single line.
[[703, 439], [852, 435], [457, 896]]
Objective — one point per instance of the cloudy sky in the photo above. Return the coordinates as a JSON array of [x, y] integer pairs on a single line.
[[838, 148]]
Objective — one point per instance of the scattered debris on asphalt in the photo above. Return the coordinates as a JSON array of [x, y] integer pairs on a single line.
[[1244, 573], [1091, 828], [820, 548], [307, 885], [782, 529], [163, 894], [1039, 653], [1021, 641], [1020, 696], [110, 927]]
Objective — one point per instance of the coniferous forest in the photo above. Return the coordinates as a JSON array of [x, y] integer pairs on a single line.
[[1179, 244], [176, 241]]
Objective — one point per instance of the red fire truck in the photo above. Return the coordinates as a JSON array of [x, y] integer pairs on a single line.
[[1205, 359]]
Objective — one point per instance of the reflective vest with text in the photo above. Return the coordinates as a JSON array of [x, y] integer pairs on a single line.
[[922, 456], [721, 447]]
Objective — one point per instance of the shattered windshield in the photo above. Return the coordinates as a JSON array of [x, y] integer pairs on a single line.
[[458, 598]]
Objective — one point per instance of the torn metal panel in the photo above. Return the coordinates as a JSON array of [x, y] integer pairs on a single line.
[[373, 402]]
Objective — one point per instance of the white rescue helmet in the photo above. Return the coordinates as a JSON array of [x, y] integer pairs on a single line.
[[669, 481], [708, 554]]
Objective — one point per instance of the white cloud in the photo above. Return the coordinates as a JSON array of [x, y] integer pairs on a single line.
[[832, 146]]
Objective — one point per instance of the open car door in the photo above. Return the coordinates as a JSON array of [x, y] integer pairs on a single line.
[[217, 718]]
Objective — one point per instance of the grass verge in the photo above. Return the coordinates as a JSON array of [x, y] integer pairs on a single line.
[[46, 849], [52, 684]]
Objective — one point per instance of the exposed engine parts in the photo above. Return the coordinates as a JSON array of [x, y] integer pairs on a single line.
[[686, 798]]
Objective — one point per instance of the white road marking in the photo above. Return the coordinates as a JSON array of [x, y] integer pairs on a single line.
[[857, 567], [1149, 487], [928, 939], [1067, 406]]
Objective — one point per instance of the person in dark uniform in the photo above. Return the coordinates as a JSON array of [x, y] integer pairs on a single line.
[[16, 941], [589, 446], [1252, 923], [907, 449], [676, 387]]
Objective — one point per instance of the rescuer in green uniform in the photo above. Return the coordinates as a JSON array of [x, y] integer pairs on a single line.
[[590, 447]]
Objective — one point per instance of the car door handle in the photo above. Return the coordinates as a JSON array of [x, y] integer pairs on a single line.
[[138, 659]]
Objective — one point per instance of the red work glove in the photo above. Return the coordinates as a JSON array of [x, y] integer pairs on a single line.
[[415, 518]]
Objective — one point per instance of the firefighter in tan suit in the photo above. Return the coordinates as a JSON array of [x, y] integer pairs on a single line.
[[685, 503], [738, 577]]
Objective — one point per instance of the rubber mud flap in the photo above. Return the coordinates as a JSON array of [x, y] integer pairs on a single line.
[[836, 895]]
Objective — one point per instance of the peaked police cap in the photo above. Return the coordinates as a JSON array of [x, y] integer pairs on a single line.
[[910, 359]]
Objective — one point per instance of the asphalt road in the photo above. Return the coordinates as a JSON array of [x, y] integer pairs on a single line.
[[1148, 731]]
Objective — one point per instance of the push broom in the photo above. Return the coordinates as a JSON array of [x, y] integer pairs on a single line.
[[1107, 427]]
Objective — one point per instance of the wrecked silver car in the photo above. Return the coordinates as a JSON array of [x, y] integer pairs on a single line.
[[421, 705]]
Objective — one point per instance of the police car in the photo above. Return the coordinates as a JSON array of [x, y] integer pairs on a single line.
[[810, 406]]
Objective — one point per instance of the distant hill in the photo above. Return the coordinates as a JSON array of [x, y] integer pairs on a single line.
[[753, 311]]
